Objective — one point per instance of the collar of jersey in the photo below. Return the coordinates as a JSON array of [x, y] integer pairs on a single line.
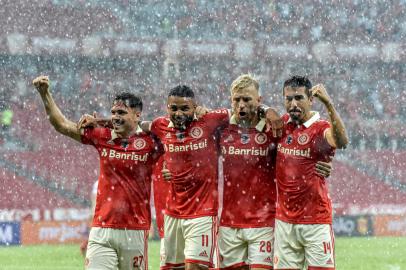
[[171, 125], [114, 134], [260, 126], [311, 121]]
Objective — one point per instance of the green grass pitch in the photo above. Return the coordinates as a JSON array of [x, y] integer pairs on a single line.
[[351, 254]]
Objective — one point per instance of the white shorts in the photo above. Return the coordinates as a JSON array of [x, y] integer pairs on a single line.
[[297, 245], [117, 249], [189, 241], [246, 246]]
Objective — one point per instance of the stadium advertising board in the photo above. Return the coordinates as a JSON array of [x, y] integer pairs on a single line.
[[9, 233], [353, 226], [57, 214], [19, 214], [390, 225], [53, 232]]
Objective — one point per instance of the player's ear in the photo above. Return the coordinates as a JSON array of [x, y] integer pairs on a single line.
[[135, 112]]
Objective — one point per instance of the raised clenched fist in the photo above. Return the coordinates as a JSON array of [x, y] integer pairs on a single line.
[[41, 83], [320, 92]]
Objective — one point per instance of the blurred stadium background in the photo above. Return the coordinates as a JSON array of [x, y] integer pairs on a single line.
[[91, 49]]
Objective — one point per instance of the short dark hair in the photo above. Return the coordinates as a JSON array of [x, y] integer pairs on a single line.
[[182, 91], [298, 81], [130, 100]]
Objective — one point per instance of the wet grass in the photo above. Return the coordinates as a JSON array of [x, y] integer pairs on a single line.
[[351, 254], [385, 253], [55, 257]]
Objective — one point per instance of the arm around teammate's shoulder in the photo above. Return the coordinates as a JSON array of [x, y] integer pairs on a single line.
[[57, 119], [146, 126]]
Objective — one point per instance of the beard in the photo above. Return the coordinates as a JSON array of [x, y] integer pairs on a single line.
[[295, 115], [181, 122]]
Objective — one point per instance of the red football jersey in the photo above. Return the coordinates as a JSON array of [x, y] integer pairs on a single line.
[[191, 156], [160, 188], [124, 187], [303, 194], [248, 155]]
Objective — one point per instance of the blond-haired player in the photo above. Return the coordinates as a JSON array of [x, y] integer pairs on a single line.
[[248, 154]]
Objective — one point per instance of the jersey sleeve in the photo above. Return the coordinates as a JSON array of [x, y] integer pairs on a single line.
[[155, 126], [90, 135], [322, 146]]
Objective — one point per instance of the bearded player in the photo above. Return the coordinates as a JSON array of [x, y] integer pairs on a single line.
[[191, 155], [119, 233], [246, 233], [303, 231]]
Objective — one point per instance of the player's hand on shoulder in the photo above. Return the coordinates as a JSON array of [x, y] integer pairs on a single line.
[[146, 126], [201, 110], [274, 121], [88, 120], [320, 92], [41, 83], [324, 168]]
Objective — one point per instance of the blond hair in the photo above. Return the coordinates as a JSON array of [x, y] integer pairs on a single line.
[[244, 81]]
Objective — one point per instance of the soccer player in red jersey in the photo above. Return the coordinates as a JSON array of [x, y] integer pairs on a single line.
[[119, 234], [248, 215], [303, 231], [247, 220], [191, 155]]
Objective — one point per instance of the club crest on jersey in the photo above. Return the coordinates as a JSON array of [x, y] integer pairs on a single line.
[[260, 138], [289, 139], [196, 132], [245, 138], [139, 144], [168, 135], [303, 139]]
